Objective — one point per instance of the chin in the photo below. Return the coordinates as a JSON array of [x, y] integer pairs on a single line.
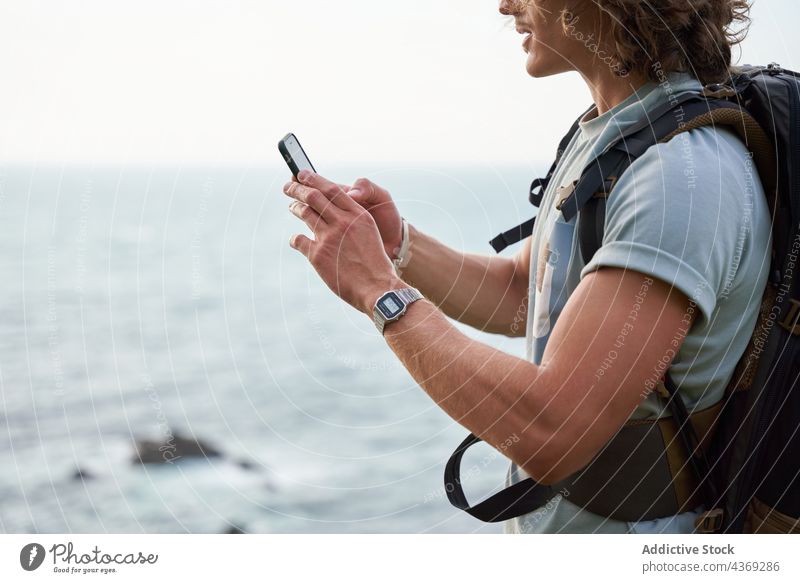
[[536, 68], [541, 65]]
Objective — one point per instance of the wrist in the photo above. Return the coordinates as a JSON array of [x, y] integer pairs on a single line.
[[375, 290], [393, 305]]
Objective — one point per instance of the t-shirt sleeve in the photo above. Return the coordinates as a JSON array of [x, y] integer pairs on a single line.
[[677, 214]]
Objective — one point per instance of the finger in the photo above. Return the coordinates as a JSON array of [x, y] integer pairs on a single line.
[[364, 192], [343, 187], [335, 193], [306, 214], [313, 198], [301, 243]]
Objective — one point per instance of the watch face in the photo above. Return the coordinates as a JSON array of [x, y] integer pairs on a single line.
[[390, 305]]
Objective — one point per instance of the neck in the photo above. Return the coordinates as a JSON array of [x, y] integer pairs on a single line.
[[609, 90]]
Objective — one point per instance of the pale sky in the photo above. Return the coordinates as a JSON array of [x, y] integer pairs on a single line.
[[221, 81]]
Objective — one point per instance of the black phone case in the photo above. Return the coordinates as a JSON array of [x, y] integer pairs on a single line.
[[287, 157]]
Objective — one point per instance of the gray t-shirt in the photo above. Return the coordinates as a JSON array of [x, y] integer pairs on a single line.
[[690, 212]]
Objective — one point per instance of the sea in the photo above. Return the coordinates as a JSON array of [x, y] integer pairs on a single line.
[[149, 302]]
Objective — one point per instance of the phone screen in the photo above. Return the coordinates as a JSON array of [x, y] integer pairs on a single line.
[[295, 156]]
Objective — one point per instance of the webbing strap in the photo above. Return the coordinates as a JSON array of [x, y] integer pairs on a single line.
[[514, 235], [643, 473], [520, 498], [694, 448], [538, 186], [592, 180], [634, 142], [690, 115], [590, 232]]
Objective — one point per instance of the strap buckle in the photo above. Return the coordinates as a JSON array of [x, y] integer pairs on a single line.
[[662, 391], [718, 91], [792, 321], [564, 192], [710, 522]]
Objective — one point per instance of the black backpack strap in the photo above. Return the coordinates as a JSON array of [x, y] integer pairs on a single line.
[[536, 193], [520, 498], [588, 198], [514, 235], [592, 223], [631, 144], [642, 473]]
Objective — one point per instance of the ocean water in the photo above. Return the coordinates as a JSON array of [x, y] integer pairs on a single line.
[[142, 302]]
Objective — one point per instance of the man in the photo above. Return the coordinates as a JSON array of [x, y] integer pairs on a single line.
[[676, 282]]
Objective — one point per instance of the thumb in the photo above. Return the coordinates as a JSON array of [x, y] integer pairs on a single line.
[[363, 191]]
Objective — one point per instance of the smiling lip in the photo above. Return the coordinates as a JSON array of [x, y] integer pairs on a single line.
[[527, 39], [528, 36]]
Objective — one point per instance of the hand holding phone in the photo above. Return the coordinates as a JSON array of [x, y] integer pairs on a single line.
[[294, 155], [376, 200]]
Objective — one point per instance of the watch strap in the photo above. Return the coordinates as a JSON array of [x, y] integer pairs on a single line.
[[407, 295]]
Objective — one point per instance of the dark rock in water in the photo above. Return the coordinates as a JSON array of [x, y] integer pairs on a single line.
[[81, 474], [171, 449], [234, 529], [247, 465]]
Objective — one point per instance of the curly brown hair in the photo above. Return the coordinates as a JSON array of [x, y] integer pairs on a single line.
[[694, 36]]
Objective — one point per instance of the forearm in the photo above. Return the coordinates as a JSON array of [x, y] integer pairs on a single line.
[[568, 407], [493, 394], [485, 292]]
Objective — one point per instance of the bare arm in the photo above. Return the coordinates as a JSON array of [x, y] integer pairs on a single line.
[[562, 411], [485, 292]]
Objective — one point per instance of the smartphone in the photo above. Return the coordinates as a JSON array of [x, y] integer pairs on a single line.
[[294, 155]]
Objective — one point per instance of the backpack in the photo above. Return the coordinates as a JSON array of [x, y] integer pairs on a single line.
[[739, 459]]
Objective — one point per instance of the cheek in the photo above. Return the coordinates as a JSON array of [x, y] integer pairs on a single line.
[[548, 32], [546, 57], [545, 45]]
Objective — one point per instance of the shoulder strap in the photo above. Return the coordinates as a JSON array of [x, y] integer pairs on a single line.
[[590, 193]]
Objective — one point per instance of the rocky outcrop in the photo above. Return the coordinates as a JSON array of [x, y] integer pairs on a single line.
[[171, 449]]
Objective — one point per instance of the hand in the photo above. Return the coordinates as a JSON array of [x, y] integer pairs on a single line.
[[378, 202], [347, 251]]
